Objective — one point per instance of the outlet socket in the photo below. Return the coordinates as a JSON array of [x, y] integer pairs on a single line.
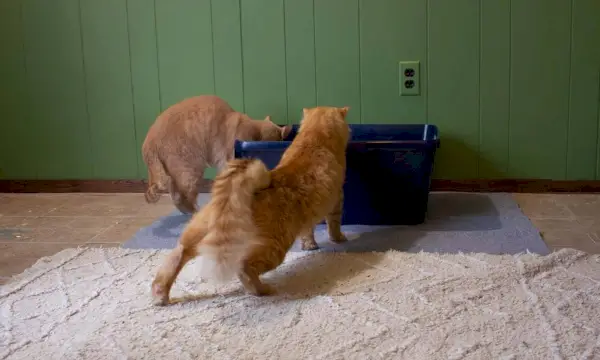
[[410, 84]]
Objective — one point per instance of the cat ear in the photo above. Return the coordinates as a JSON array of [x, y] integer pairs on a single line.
[[344, 111], [285, 131], [305, 111], [268, 118]]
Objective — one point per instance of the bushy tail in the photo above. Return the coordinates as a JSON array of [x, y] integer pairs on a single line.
[[156, 174], [231, 233], [234, 188]]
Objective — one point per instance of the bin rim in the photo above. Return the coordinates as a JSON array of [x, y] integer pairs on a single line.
[[431, 129], [373, 144]]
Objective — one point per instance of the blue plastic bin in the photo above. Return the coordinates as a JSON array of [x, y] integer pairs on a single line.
[[388, 172]]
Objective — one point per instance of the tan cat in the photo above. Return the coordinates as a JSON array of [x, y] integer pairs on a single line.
[[255, 214], [194, 134]]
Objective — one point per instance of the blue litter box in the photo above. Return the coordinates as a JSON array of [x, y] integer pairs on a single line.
[[388, 173]]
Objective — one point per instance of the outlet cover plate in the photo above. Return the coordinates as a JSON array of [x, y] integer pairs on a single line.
[[409, 77]]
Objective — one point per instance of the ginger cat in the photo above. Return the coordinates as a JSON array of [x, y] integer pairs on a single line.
[[194, 134], [255, 215]]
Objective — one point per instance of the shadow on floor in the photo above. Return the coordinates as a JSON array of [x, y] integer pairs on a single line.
[[446, 212], [456, 222]]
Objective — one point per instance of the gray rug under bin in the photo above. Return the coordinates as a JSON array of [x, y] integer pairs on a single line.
[[456, 222]]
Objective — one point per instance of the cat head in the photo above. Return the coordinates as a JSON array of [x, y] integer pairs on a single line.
[[326, 112], [328, 116], [329, 121], [269, 131]]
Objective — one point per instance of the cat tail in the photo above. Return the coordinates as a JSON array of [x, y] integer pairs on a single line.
[[231, 231], [156, 174], [234, 188]]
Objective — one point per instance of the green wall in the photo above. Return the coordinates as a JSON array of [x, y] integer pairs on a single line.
[[513, 85]]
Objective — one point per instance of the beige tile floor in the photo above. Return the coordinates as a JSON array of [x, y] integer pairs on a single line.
[[37, 225]]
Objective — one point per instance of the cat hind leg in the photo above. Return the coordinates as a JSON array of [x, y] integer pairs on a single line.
[[180, 201], [167, 273], [334, 221], [184, 189], [307, 240], [250, 279]]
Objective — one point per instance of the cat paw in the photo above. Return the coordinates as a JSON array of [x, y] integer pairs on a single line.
[[309, 246], [185, 208], [261, 290], [265, 290], [341, 238], [160, 297]]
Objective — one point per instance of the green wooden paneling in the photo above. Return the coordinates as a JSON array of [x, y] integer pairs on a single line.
[[144, 74], [494, 88], [513, 85], [300, 58], [56, 84], [109, 89], [337, 55], [18, 155], [539, 88], [453, 95], [227, 46], [185, 49], [584, 99], [384, 41], [263, 50]]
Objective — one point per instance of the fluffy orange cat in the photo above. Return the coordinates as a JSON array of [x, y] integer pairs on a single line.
[[255, 214]]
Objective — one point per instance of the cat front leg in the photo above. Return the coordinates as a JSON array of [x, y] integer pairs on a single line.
[[334, 221]]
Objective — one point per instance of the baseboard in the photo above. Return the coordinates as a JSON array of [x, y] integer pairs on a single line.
[[76, 186], [139, 186], [517, 185]]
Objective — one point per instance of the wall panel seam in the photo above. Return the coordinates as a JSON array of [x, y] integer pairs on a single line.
[[85, 91], [212, 45], [598, 123], [160, 94], [570, 90], [315, 52], [134, 117], [360, 97], [428, 63], [242, 56], [285, 66], [509, 86], [27, 93], [478, 164]]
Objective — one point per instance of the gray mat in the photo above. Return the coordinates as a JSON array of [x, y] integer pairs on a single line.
[[456, 222]]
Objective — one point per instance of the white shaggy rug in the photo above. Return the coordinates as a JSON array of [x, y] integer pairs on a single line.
[[95, 304]]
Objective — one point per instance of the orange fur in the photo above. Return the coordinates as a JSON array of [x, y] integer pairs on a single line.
[[194, 134], [255, 215]]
